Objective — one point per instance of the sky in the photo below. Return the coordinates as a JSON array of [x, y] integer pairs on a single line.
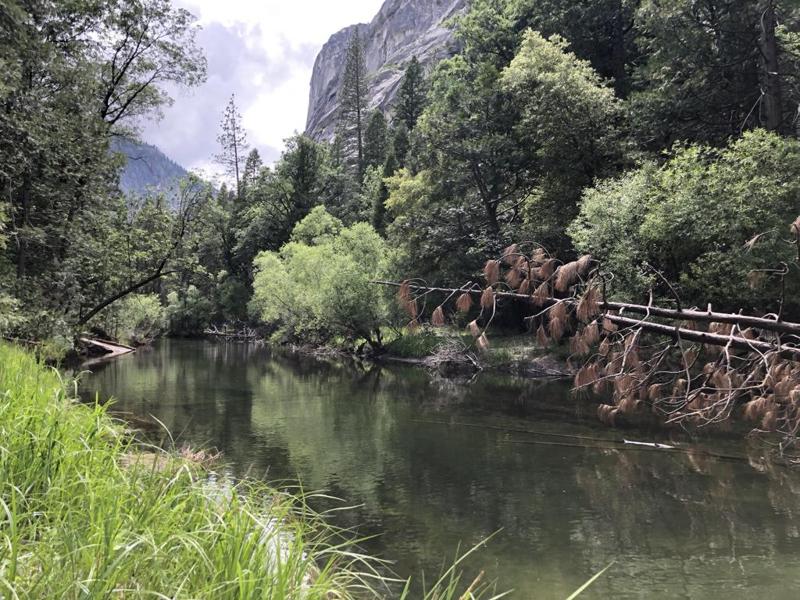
[[263, 51]]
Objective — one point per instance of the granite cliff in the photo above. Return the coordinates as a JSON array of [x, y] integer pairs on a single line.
[[401, 29]]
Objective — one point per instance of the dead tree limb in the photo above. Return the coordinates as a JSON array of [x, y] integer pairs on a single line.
[[653, 311]]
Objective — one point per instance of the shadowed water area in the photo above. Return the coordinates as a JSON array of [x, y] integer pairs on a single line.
[[434, 463]]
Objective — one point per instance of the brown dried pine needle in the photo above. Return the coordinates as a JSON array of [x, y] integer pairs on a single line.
[[491, 271], [474, 329], [589, 304], [464, 303], [487, 298], [566, 276]]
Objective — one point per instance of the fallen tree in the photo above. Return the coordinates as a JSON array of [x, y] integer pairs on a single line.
[[689, 366]]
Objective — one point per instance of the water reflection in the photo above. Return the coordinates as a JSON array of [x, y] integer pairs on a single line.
[[435, 464]]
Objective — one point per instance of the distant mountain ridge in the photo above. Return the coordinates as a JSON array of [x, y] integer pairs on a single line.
[[147, 170]]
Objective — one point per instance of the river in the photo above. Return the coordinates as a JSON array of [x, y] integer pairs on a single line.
[[435, 464]]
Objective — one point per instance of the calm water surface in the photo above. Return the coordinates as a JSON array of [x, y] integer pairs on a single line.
[[435, 464]]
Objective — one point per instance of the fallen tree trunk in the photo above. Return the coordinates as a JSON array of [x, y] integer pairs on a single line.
[[112, 349], [673, 332], [703, 337], [746, 321]]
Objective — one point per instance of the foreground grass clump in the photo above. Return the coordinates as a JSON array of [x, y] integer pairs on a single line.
[[79, 518], [85, 513]]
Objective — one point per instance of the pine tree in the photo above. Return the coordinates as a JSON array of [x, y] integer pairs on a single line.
[[411, 97], [233, 140], [353, 105], [400, 143], [375, 140], [379, 201], [252, 167]]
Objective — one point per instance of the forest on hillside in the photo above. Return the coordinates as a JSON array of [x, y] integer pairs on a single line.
[[657, 136]]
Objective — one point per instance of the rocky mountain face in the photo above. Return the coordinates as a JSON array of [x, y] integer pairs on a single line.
[[402, 29]]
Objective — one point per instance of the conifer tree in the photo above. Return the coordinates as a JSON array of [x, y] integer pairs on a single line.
[[353, 106], [252, 167], [379, 201], [233, 140], [375, 140], [400, 143], [411, 97]]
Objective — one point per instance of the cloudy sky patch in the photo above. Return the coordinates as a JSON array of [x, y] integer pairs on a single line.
[[263, 52]]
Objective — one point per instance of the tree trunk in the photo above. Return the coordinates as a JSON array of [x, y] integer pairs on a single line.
[[771, 79], [618, 51], [118, 296]]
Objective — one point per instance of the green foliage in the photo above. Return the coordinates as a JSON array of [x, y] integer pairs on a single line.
[[412, 95], [400, 143], [86, 513], [318, 228], [318, 285], [692, 218], [570, 121], [378, 189], [505, 149], [252, 167], [375, 141], [420, 344], [352, 98], [431, 232], [280, 197], [189, 311], [81, 73], [598, 31], [712, 80], [138, 318]]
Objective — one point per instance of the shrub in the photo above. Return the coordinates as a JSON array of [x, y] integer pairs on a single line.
[[188, 312], [319, 284], [692, 219]]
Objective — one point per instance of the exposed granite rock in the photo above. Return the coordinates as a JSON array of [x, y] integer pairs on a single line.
[[402, 29]]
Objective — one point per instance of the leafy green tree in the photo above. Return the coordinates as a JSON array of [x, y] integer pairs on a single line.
[[434, 235], [282, 196], [139, 253], [599, 31], [318, 286], [138, 319], [80, 73], [375, 140], [570, 121], [352, 100], [411, 97], [232, 139], [188, 311], [715, 222], [145, 46], [504, 153], [317, 228], [713, 69]]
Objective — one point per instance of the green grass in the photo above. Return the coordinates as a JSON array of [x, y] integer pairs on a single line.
[[84, 513], [415, 345], [425, 342]]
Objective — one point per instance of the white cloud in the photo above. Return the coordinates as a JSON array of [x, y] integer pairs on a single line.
[[264, 53]]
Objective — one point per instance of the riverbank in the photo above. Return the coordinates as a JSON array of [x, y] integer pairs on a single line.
[[87, 513], [451, 353]]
